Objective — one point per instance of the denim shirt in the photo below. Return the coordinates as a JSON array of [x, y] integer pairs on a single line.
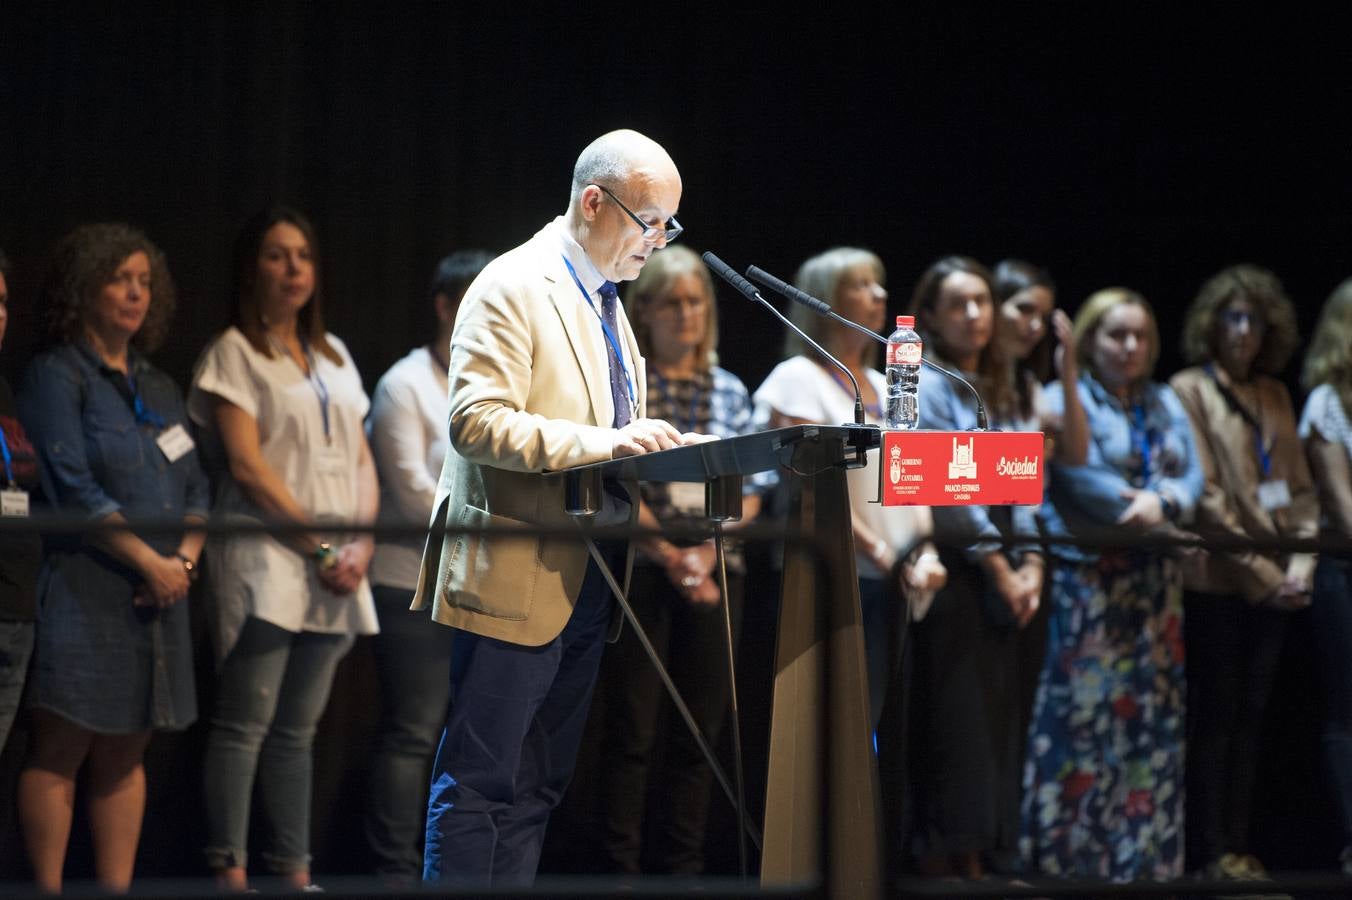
[[1147, 446], [946, 405], [95, 457]]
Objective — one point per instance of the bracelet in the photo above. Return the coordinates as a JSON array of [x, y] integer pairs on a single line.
[[189, 566], [325, 556]]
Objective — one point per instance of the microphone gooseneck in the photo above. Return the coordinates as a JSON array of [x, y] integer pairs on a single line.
[[788, 291], [748, 290]]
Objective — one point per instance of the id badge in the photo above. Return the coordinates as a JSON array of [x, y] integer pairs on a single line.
[[1274, 494], [687, 497], [328, 461], [14, 503], [175, 443]]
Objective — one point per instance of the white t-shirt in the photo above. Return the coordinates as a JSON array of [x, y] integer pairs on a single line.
[[1324, 415], [258, 575], [801, 389], [409, 432]]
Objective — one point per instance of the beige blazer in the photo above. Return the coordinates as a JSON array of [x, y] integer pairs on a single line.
[[1229, 504], [529, 393]]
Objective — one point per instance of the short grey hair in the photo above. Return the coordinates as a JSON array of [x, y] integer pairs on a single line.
[[602, 162]]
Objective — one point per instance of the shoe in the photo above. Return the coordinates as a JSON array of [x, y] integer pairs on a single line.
[[1255, 869], [1241, 867], [1227, 867]]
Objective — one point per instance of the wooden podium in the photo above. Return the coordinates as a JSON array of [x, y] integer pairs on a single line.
[[819, 722]]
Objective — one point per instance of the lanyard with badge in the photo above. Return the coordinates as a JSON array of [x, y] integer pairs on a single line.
[[1273, 493], [13, 499], [173, 440], [610, 338], [1142, 438], [321, 391], [316, 382]]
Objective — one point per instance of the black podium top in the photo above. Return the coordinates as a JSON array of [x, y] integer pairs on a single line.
[[741, 455]]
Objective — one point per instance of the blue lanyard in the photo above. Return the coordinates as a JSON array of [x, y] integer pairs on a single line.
[[610, 336], [4, 451], [321, 390], [1263, 450], [693, 421], [875, 408], [1140, 435], [144, 414], [316, 382]]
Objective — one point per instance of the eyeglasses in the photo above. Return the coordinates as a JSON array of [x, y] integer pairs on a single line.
[[651, 233], [1234, 318]]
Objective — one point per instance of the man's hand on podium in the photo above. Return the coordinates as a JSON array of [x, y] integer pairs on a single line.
[[645, 436]]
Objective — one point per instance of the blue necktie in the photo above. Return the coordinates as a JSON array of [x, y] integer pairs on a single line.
[[619, 392]]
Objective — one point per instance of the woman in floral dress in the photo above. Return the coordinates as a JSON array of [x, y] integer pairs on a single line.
[[1103, 782]]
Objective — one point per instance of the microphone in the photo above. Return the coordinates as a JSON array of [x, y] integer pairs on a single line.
[[748, 290], [784, 289]]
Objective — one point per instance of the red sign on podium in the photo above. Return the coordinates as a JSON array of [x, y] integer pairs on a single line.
[[961, 468]]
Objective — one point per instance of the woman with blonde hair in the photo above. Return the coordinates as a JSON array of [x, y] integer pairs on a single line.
[[892, 553], [1239, 333], [674, 592], [1103, 780], [1326, 428]]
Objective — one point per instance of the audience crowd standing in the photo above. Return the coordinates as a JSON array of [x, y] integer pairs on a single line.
[[1053, 723]]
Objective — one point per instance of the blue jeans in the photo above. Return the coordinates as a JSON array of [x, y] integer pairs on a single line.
[[1331, 617], [511, 739], [413, 660], [16, 647], [272, 690]]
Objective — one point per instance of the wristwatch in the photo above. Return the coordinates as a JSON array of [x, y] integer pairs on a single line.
[[325, 556]]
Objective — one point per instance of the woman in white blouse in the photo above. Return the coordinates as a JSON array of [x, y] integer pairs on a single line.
[[892, 553], [283, 401], [408, 433]]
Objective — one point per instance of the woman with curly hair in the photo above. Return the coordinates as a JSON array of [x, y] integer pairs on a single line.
[[1326, 428], [113, 660], [1238, 335]]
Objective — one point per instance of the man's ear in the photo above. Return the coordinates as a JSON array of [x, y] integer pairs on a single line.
[[590, 201]]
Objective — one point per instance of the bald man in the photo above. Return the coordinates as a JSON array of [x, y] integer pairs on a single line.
[[544, 374]]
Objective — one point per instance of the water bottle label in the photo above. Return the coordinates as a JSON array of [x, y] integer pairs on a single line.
[[907, 354]]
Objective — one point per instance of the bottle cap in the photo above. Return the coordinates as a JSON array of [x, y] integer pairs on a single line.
[[905, 321]]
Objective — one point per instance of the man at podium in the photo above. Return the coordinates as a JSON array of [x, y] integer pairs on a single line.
[[544, 374]]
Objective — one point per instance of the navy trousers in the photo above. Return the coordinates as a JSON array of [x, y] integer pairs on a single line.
[[512, 733]]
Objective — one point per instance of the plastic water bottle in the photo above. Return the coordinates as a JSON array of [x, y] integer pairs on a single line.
[[903, 376]]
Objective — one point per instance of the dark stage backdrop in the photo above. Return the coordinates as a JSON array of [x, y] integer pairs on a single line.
[[1127, 145], [1113, 143]]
